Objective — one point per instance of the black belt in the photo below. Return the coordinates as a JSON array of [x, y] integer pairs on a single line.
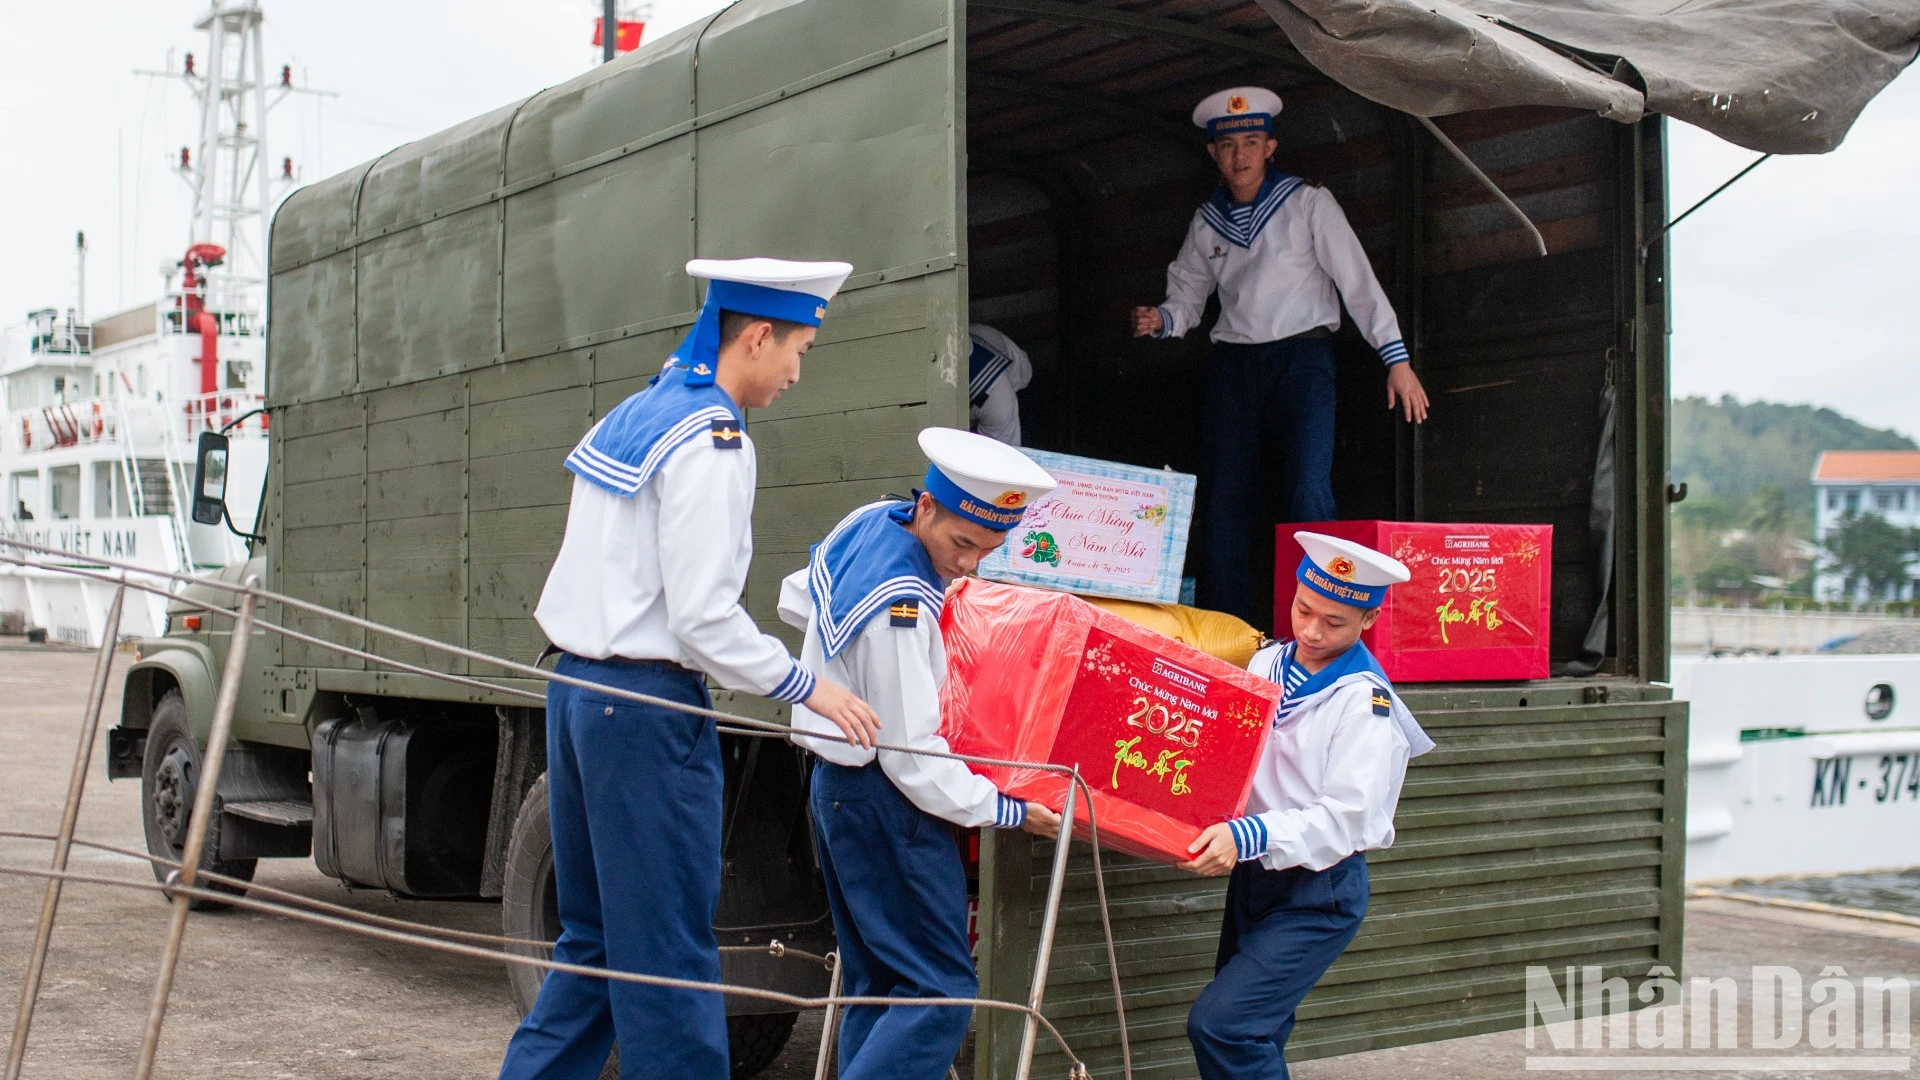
[[1318, 333], [633, 661]]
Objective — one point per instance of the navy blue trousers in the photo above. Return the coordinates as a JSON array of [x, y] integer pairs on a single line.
[[1269, 406], [634, 792], [899, 898], [1283, 930]]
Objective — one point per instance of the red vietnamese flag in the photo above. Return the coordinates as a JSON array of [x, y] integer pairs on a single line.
[[627, 35]]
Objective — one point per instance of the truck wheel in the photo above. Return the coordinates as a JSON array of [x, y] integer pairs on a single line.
[[755, 1039], [169, 777], [530, 909]]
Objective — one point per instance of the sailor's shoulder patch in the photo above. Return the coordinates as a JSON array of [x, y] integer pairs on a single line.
[[727, 434], [904, 612], [1382, 703]]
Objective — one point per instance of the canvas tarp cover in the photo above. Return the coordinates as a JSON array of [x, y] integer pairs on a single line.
[[1781, 76]]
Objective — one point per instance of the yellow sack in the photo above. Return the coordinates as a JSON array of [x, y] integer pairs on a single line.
[[1212, 632]]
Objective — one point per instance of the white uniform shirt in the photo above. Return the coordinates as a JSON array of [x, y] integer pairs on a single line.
[[658, 576], [1299, 250], [998, 417], [1330, 779], [898, 670]]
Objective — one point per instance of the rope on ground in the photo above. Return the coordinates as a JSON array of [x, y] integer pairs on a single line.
[[728, 722], [1868, 914]]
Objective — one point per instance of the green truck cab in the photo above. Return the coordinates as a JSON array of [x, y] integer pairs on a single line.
[[448, 320]]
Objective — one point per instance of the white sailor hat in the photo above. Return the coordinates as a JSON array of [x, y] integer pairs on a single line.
[[984, 481], [770, 288], [1353, 574], [1236, 109]]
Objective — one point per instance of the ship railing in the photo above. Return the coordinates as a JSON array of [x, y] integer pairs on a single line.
[[188, 881], [239, 413], [62, 424]]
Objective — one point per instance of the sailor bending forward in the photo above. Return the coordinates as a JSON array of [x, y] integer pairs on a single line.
[[645, 596], [1324, 794], [870, 602]]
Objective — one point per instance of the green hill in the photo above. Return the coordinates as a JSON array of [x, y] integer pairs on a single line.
[[1732, 450]]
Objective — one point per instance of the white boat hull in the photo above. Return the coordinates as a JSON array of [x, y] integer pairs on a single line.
[[1789, 774]]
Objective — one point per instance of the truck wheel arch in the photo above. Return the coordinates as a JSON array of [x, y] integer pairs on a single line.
[[186, 668], [181, 668]]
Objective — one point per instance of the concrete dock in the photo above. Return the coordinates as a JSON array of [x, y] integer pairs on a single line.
[[262, 996]]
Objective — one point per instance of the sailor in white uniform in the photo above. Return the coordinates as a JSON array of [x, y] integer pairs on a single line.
[[1281, 255], [1325, 794], [645, 596], [997, 370], [869, 601]]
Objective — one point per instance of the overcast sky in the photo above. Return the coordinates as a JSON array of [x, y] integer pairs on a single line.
[[1800, 284]]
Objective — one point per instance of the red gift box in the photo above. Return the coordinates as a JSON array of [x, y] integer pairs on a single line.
[[1478, 607], [1166, 736]]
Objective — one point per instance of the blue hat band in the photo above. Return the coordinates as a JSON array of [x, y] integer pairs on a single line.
[[974, 509], [699, 351], [1345, 592], [1238, 122]]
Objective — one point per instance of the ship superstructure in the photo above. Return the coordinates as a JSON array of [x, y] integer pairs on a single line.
[[100, 415]]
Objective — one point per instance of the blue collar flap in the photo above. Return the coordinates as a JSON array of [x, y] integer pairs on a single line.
[[984, 368], [866, 563], [630, 444], [1357, 663], [1240, 225]]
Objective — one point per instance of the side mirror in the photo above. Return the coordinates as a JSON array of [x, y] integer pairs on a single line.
[[210, 480]]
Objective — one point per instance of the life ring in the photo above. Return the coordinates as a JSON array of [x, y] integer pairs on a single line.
[[99, 421], [26, 433]]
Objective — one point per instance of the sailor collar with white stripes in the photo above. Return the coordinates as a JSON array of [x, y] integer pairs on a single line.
[[1240, 224], [985, 365], [868, 564], [630, 444]]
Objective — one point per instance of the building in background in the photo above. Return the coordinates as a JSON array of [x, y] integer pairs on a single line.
[[1852, 483]]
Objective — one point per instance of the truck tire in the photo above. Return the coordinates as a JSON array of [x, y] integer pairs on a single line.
[[529, 909], [169, 778]]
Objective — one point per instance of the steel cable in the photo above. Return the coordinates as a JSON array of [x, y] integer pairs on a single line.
[[727, 722], [172, 889]]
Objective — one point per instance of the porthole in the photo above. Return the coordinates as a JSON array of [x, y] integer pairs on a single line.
[[1880, 701]]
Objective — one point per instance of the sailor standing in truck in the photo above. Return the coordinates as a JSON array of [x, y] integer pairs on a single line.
[[1324, 794], [997, 370], [869, 600], [1276, 248], [645, 596]]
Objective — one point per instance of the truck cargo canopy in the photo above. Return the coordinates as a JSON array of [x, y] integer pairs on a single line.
[[1782, 76]]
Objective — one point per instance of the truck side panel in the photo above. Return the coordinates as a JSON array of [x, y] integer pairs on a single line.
[[451, 318]]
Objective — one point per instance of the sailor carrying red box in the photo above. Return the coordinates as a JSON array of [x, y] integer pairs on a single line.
[[1324, 794], [869, 601]]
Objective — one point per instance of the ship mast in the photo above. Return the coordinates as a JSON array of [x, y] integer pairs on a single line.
[[229, 167]]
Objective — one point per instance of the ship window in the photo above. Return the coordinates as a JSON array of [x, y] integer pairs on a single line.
[[63, 492], [23, 495], [59, 389], [238, 373], [111, 499]]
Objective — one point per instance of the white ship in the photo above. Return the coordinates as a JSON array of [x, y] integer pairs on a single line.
[[99, 417], [1801, 764]]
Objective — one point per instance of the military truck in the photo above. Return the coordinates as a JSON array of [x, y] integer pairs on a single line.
[[448, 319]]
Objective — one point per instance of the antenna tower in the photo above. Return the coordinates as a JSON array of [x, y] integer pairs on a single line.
[[229, 168]]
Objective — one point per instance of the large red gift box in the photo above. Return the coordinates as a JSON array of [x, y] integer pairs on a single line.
[[1478, 606], [1166, 736]]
